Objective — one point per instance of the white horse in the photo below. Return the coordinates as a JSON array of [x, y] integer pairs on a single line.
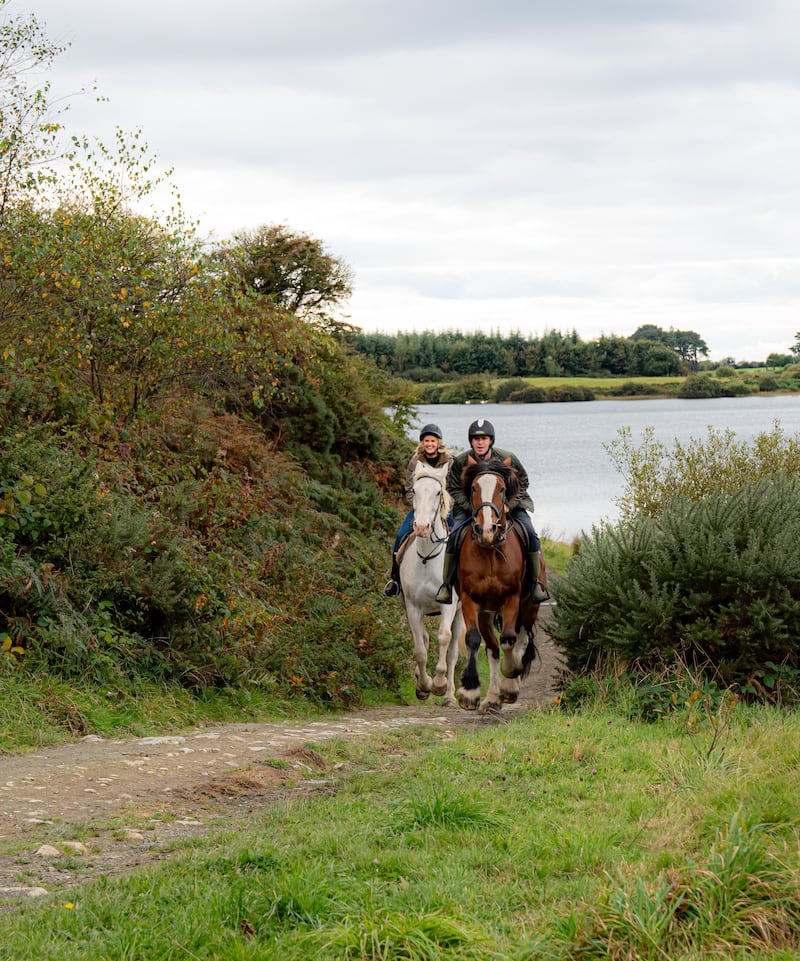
[[421, 566]]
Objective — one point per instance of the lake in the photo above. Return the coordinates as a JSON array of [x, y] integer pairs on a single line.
[[572, 479]]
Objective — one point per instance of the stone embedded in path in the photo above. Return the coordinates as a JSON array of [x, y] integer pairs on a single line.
[[22, 892], [48, 851]]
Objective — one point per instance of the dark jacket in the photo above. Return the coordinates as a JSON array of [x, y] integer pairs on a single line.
[[461, 502]]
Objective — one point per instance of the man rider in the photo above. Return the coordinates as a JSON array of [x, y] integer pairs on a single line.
[[481, 441]]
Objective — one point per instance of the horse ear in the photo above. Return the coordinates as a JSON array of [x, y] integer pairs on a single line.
[[507, 462], [471, 460]]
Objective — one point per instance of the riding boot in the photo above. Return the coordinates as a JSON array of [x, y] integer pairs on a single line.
[[538, 590], [392, 588], [445, 593]]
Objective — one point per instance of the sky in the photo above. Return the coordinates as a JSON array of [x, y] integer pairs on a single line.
[[514, 166]]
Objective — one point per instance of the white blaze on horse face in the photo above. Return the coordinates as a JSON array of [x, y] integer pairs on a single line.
[[486, 518]]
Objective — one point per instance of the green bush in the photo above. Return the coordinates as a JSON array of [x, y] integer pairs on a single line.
[[699, 468], [567, 393], [508, 387], [713, 581], [635, 388], [700, 387], [529, 395]]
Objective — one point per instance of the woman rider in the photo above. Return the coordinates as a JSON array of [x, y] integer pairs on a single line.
[[430, 450], [481, 441]]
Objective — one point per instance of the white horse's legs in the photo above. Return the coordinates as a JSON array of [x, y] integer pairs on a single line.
[[423, 682]]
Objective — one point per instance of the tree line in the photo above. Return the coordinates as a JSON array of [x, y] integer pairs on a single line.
[[428, 356]]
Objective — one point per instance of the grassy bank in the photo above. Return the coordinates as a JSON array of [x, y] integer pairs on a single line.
[[551, 836]]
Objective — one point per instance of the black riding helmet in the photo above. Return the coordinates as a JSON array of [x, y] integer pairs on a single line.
[[432, 429], [481, 428]]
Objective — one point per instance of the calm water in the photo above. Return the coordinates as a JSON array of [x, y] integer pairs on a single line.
[[573, 481]]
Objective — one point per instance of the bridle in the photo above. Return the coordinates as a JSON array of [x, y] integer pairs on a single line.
[[500, 524], [438, 541]]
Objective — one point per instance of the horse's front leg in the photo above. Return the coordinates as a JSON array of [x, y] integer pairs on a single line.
[[416, 622], [493, 702], [469, 694], [512, 652], [444, 677]]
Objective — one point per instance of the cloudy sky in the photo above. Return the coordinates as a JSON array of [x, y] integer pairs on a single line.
[[513, 165]]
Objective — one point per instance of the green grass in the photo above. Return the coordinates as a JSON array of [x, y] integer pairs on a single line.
[[37, 711], [551, 836]]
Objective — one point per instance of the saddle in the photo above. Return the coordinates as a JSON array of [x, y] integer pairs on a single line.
[[460, 533], [405, 543]]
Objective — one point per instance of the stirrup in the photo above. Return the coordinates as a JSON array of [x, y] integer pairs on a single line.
[[539, 593], [444, 595], [392, 589]]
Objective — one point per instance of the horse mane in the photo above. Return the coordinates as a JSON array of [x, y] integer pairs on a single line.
[[425, 470], [503, 468]]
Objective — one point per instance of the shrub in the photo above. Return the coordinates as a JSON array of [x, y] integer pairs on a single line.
[[699, 468], [709, 581], [471, 388], [699, 387], [569, 392], [508, 387], [529, 395], [635, 388]]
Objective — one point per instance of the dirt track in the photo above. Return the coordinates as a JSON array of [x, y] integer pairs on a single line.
[[126, 799]]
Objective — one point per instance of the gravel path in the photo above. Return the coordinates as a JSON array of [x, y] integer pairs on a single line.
[[71, 812]]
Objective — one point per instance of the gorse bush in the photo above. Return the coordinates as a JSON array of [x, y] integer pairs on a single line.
[[193, 552], [713, 581]]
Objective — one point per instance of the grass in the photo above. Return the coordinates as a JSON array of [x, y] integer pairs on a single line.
[[551, 836], [36, 711]]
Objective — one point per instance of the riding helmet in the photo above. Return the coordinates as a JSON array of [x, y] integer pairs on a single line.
[[432, 429], [481, 428]]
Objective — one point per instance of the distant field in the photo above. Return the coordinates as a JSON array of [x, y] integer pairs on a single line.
[[599, 383]]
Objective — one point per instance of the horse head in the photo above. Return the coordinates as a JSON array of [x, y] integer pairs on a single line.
[[431, 499], [492, 488]]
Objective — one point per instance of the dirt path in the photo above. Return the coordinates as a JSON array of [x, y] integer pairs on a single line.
[[106, 806]]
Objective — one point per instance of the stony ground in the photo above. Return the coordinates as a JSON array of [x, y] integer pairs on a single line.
[[95, 807]]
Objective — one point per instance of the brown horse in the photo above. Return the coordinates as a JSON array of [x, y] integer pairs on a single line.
[[490, 583]]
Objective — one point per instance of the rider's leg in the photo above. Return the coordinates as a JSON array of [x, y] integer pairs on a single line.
[[393, 587], [445, 593], [538, 590]]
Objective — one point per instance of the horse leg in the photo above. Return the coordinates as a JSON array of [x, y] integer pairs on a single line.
[[493, 703], [419, 632], [511, 665], [469, 694], [443, 680], [456, 635]]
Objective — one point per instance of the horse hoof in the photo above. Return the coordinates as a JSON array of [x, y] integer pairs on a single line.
[[449, 702], [469, 703], [438, 689], [423, 695], [491, 707], [509, 697]]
